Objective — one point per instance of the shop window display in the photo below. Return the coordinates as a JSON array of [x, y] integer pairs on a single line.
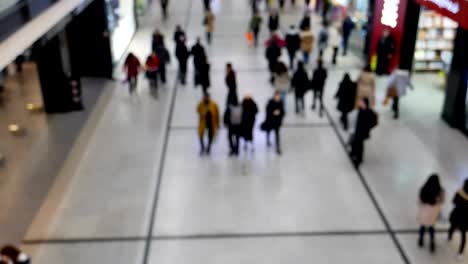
[[121, 24], [434, 44]]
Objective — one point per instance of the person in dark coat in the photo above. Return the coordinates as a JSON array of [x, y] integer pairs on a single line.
[[366, 120], [347, 28], [273, 22], [300, 84], [274, 120], [157, 40], [207, 4], [204, 76], [319, 76], [431, 198], [179, 35], [385, 52], [272, 54], [249, 113], [459, 217], [305, 22], [346, 96], [293, 43], [164, 5], [231, 83], [164, 59], [182, 55], [199, 58]]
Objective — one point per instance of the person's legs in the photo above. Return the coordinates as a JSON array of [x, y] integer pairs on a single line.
[[306, 57], [345, 45], [297, 105], [395, 107], [321, 102], [357, 151], [335, 54], [162, 72], [422, 231], [431, 236], [231, 140], [255, 35], [463, 241], [210, 140], [278, 141], [314, 98], [237, 141], [450, 232], [208, 37], [302, 105], [344, 120], [291, 59], [283, 98], [202, 145]]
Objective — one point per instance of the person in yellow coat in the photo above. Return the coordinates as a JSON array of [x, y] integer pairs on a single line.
[[208, 113], [208, 22]]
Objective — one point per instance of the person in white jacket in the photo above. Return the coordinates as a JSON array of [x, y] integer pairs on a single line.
[[335, 41], [397, 87]]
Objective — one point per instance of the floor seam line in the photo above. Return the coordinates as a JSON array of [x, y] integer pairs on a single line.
[[148, 243], [371, 195]]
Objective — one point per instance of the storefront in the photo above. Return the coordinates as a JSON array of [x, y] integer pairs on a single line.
[[436, 32]]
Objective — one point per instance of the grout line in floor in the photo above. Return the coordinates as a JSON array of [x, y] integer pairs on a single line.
[[372, 197], [162, 161], [215, 236]]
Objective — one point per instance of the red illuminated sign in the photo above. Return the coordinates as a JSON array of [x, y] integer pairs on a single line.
[[454, 9]]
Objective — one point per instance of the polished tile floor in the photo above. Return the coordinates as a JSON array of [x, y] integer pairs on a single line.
[[139, 193]]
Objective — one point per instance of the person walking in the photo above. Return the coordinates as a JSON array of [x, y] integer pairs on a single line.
[[207, 4], [366, 86], [323, 39], [182, 54], [274, 119], [293, 43], [335, 42], [307, 44], [366, 121], [249, 113], [254, 26], [282, 81], [346, 96], [347, 28], [208, 113], [164, 5], [204, 76], [179, 35], [305, 22], [459, 216], [272, 54], [199, 58], [157, 40], [273, 22], [209, 25], [319, 77], [396, 89], [231, 83], [233, 121], [164, 59], [152, 65], [132, 67], [300, 85], [431, 198]]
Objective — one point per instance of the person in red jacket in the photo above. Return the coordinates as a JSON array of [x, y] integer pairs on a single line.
[[151, 67], [132, 68]]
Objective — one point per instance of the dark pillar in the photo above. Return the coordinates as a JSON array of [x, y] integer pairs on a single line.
[[54, 68], [89, 42], [410, 34], [370, 22], [454, 106]]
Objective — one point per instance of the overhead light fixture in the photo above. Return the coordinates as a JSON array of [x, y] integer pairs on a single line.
[[33, 107], [15, 129]]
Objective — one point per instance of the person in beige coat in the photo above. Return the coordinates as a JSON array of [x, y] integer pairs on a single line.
[[366, 86], [307, 43], [208, 22]]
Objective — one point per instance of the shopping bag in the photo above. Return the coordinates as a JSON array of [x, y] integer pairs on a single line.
[[391, 93], [249, 37]]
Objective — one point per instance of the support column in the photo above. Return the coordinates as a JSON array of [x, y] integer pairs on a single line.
[[58, 94], [89, 42], [410, 34], [454, 105]]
